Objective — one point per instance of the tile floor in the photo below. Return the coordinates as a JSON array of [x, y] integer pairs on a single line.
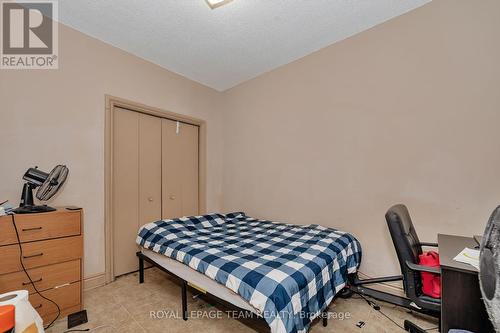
[[124, 306]]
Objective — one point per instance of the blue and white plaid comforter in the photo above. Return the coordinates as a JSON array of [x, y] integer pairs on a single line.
[[288, 273]]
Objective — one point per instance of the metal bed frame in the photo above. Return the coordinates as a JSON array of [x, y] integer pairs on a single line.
[[253, 319]]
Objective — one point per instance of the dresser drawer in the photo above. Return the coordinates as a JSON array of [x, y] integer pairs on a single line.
[[65, 297], [44, 277], [34, 227], [41, 253]]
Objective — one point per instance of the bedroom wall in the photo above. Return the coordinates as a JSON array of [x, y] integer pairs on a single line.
[[57, 116], [406, 112]]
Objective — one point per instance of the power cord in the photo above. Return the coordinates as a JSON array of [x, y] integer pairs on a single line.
[[88, 329], [29, 277], [376, 307]]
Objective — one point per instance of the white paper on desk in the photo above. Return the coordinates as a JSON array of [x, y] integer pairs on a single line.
[[468, 256]]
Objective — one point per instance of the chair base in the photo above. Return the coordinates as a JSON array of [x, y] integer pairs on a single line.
[[358, 286], [412, 328]]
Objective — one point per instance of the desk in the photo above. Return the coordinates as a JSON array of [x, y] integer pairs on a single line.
[[461, 303]]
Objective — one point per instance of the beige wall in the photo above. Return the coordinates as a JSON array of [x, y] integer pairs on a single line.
[[405, 112], [57, 116]]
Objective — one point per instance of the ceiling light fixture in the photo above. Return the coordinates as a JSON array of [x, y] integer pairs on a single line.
[[217, 3]]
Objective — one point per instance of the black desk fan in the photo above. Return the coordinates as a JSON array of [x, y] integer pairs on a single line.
[[489, 268], [48, 184]]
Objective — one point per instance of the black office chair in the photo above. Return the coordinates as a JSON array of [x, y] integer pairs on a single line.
[[408, 248]]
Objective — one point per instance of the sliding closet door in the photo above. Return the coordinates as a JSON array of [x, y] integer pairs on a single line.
[[155, 176], [179, 169], [149, 169], [136, 182], [125, 188]]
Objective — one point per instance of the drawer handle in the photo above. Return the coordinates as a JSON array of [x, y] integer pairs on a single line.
[[33, 255], [31, 229], [38, 306], [34, 281]]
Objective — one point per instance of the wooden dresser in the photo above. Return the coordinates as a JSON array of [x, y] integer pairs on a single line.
[[53, 255]]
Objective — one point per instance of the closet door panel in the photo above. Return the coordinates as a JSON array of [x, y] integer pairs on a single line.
[[125, 189], [149, 169], [179, 169], [189, 158]]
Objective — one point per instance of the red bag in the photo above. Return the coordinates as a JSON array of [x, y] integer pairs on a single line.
[[431, 283]]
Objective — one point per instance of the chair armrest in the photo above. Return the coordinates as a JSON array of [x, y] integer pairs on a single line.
[[420, 268], [428, 244]]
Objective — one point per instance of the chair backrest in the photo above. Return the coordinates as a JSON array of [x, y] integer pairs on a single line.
[[407, 246]]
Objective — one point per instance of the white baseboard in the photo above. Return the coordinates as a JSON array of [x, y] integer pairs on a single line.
[[94, 281], [395, 288], [99, 280]]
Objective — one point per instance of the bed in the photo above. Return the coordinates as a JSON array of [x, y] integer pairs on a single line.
[[285, 273]]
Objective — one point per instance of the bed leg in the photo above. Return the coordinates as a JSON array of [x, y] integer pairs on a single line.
[[141, 270], [325, 317], [184, 300]]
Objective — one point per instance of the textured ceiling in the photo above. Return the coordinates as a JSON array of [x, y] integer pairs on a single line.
[[231, 44]]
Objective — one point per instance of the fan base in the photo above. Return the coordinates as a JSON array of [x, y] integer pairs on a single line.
[[33, 209]]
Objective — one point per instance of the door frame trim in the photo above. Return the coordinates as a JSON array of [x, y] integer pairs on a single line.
[[112, 103]]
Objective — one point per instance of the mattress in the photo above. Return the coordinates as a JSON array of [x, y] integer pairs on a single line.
[[198, 279]]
